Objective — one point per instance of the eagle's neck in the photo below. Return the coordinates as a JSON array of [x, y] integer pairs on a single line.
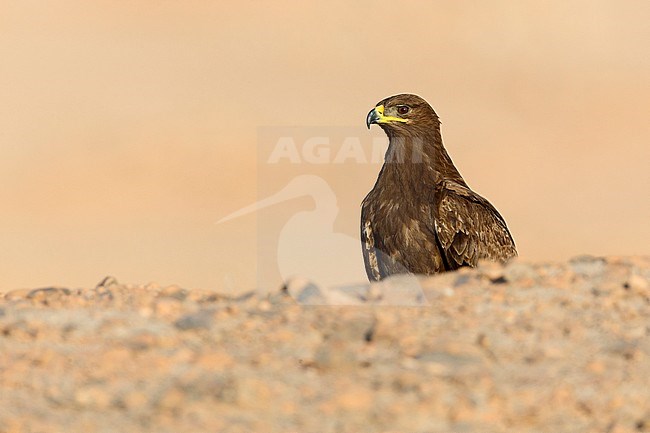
[[416, 161]]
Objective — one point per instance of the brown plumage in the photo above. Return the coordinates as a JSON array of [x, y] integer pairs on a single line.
[[421, 217]]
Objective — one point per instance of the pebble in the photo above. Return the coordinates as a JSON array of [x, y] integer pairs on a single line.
[[201, 319], [637, 283], [305, 292], [588, 266]]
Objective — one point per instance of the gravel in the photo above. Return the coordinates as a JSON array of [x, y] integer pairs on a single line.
[[529, 347]]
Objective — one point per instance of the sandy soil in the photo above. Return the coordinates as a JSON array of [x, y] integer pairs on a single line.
[[551, 347]]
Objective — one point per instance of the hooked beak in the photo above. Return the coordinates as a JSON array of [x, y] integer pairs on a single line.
[[373, 117], [377, 115]]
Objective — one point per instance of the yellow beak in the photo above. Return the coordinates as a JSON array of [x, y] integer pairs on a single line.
[[376, 115]]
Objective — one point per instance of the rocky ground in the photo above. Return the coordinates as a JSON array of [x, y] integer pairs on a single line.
[[523, 348]]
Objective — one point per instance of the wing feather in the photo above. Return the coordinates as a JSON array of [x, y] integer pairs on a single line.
[[369, 252], [470, 229]]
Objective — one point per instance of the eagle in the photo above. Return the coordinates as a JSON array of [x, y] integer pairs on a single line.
[[421, 217]]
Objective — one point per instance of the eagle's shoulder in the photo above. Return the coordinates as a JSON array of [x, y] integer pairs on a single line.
[[469, 228]]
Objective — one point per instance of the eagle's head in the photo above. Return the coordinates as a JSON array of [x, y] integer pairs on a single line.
[[402, 113]]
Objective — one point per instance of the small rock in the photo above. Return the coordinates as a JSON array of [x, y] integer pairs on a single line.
[[402, 290], [167, 307], [107, 282], [495, 272], [520, 272], [636, 283], [355, 294], [49, 294], [410, 346], [483, 340], [172, 400], [408, 381], [588, 266], [173, 292], [448, 292], [304, 291], [253, 393], [94, 396], [335, 355], [373, 294], [135, 400], [13, 295], [201, 319]]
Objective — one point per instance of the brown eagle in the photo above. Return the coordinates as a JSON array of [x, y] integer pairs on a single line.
[[421, 217]]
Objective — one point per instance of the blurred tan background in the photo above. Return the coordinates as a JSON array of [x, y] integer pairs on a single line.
[[127, 129]]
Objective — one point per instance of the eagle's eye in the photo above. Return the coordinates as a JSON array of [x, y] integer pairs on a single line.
[[403, 109]]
